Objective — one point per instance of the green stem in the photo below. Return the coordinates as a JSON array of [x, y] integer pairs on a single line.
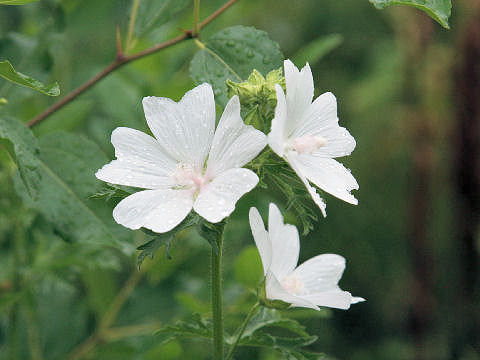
[[196, 16], [217, 300], [241, 330], [131, 24]]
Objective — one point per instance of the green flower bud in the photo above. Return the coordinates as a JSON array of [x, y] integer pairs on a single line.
[[258, 97]]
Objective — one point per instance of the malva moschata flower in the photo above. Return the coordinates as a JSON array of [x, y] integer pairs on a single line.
[[308, 137], [312, 284], [187, 164]]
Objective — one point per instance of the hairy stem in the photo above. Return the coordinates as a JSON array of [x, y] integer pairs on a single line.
[[241, 330], [122, 60], [216, 272]]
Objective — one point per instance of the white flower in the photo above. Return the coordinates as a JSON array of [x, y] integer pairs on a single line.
[[308, 137], [186, 165], [312, 284]]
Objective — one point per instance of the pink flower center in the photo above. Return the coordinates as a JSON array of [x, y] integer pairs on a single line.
[[185, 175], [293, 284], [308, 143]]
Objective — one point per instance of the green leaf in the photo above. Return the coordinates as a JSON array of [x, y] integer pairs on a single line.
[[439, 10], [256, 335], [150, 247], [289, 347], [277, 175], [194, 327], [57, 173], [266, 317], [113, 191], [233, 53], [317, 49], [8, 72], [16, 2], [153, 13], [24, 151]]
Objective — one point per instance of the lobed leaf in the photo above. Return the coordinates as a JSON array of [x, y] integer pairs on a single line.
[[196, 327], [165, 239], [232, 54], [8, 72], [266, 317], [439, 10]]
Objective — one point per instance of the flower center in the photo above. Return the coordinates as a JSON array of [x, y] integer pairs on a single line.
[[186, 176], [307, 143], [293, 284]]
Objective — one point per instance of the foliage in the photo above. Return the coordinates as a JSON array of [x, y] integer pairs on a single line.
[[8, 72], [59, 244], [438, 9], [232, 54], [57, 179]]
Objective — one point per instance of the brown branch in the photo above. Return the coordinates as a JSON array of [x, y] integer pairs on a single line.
[[122, 60]]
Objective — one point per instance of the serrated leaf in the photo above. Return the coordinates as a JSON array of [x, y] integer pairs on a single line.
[[16, 2], [112, 191], [153, 13], [290, 347], [266, 317], [57, 177], [159, 240], [439, 10], [233, 53], [195, 327], [8, 72], [317, 49]]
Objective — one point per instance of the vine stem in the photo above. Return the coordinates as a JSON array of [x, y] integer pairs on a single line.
[[121, 60], [241, 330], [217, 311]]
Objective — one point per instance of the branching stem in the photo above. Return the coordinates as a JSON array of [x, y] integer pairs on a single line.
[[122, 60]]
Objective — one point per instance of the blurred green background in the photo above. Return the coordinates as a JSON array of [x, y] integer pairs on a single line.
[[408, 91]]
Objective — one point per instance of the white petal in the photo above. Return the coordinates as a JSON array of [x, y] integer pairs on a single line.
[[299, 93], [217, 199], [311, 190], [328, 174], [234, 143], [276, 137], [184, 129], [321, 119], [321, 273], [337, 299], [260, 235], [141, 161], [356, 300], [275, 291], [157, 210], [320, 276], [285, 244]]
